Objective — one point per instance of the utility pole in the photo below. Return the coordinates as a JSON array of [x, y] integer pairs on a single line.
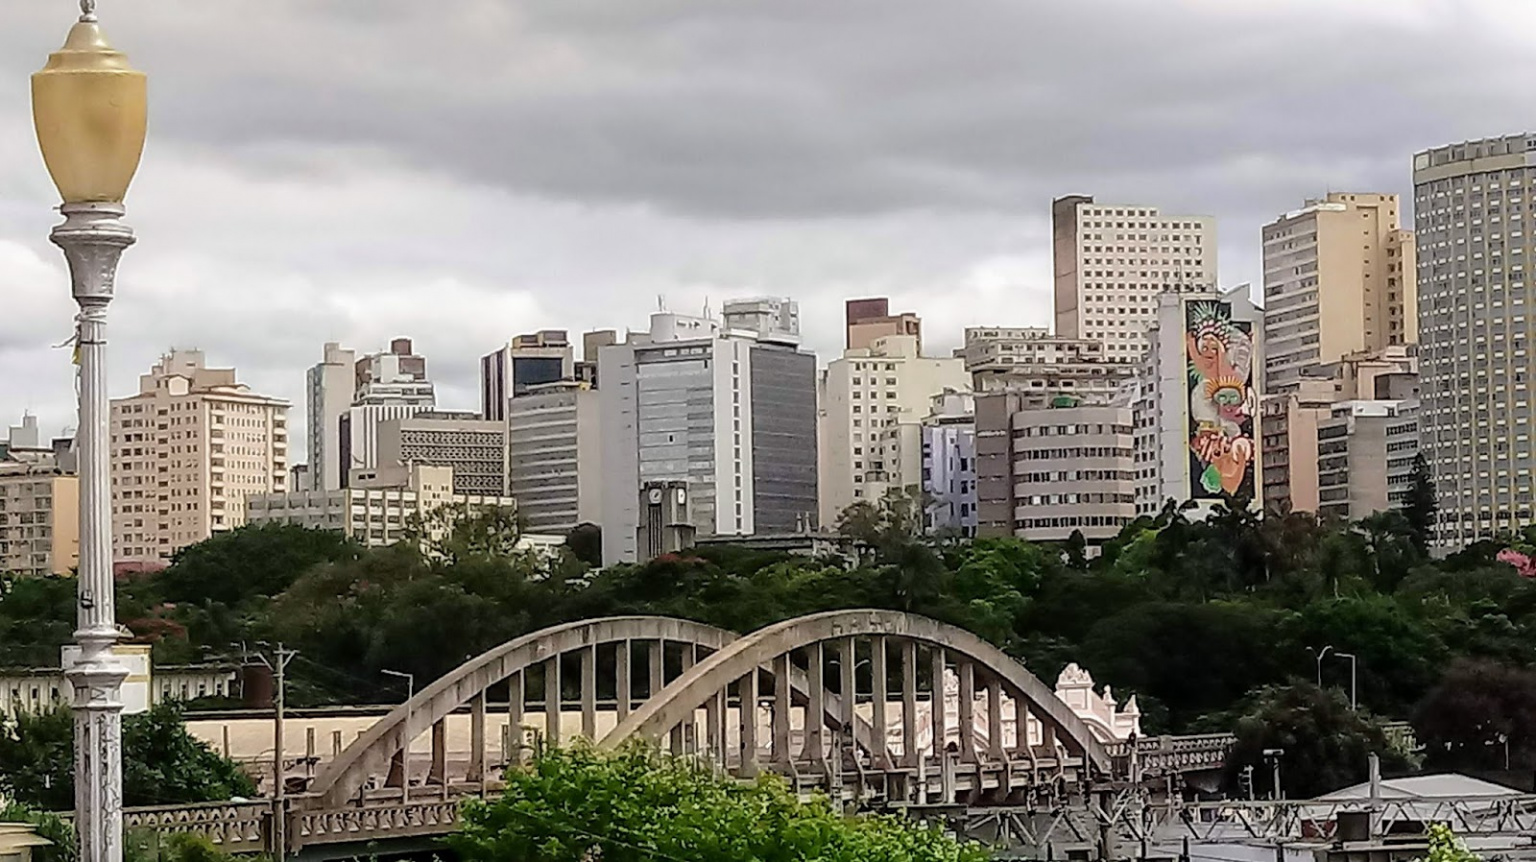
[[279, 666], [1353, 677], [405, 756]]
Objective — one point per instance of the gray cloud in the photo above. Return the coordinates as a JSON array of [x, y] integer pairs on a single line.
[[463, 170]]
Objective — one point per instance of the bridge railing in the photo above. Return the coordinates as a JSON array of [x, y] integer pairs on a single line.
[[234, 827]]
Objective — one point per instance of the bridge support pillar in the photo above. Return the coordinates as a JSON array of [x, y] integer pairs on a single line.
[[816, 710], [623, 691], [967, 672], [880, 752], [439, 771], [512, 748], [937, 717], [746, 690], [477, 738], [910, 756], [552, 706], [782, 706], [589, 692]]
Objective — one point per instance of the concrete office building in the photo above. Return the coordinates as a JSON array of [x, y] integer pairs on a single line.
[[474, 448], [1044, 473], [949, 465], [1031, 360], [1195, 403], [730, 411], [186, 452], [1290, 419], [591, 343], [387, 385], [39, 514], [1339, 278], [869, 399], [1112, 261], [1473, 212], [865, 320], [330, 388], [1366, 451], [555, 456], [381, 507], [534, 359]]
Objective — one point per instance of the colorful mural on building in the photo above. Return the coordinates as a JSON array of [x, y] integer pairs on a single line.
[[1222, 402]]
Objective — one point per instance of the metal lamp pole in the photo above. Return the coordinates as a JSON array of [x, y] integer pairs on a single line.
[[89, 108], [405, 756], [1353, 677], [1320, 654]]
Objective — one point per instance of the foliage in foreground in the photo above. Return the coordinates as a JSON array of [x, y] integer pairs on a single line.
[[162, 763], [1444, 846], [577, 804]]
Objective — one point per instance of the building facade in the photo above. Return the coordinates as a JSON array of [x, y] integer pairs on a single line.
[[949, 466], [1366, 451], [1340, 278], [555, 457], [388, 385], [1112, 261], [474, 448], [1473, 209], [1031, 360], [186, 451], [1195, 403], [866, 398], [381, 507], [730, 413], [533, 359], [330, 387], [39, 518], [865, 320], [1043, 474]]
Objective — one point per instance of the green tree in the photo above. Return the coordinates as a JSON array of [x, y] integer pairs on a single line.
[[585, 542], [1444, 846], [37, 616], [1481, 715], [1421, 506], [457, 532], [162, 763], [636, 806], [1326, 744]]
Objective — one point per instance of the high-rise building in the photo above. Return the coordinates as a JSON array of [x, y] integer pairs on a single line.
[[330, 390], [1196, 403], [1112, 261], [1339, 278], [186, 451], [1044, 473], [591, 343], [1031, 360], [949, 465], [555, 455], [865, 320], [730, 412], [534, 359], [475, 448], [388, 385], [39, 505], [1472, 208], [870, 394], [1366, 451]]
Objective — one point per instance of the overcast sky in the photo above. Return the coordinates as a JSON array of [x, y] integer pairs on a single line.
[[459, 171]]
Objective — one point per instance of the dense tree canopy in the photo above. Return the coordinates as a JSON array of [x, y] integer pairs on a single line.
[[636, 806]]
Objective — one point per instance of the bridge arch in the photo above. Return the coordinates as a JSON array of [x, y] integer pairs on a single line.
[[377, 753], [740, 664]]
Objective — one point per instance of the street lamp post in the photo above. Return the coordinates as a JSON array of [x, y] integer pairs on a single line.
[[89, 110], [1353, 677], [1320, 655], [405, 756]]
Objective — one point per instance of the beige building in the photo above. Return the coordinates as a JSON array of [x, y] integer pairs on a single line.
[[868, 401], [1339, 278], [1031, 360], [1365, 454], [1044, 473], [1112, 261], [1290, 420], [39, 518], [380, 508], [865, 320], [474, 448], [186, 451]]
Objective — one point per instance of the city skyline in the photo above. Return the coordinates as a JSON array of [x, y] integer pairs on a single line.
[[332, 226]]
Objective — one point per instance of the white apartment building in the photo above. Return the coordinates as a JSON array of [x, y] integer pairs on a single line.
[[724, 415], [388, 385], [1196, 410], [949, 465], [869, 400], [1031, 360], [379, 509], [186, 451], [1112, 261], [554, 448]]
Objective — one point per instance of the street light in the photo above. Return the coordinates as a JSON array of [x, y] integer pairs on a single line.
[[89, 108], [1320, 654], [410, 694], [1353, 662]]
